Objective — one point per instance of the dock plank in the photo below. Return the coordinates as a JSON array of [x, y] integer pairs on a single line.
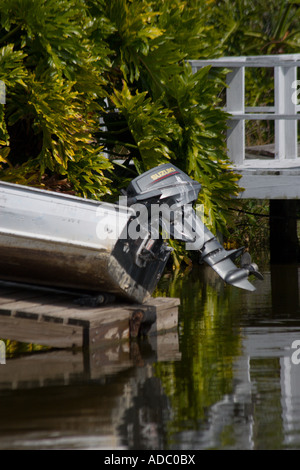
[[22, 305], [47, 309], [57, 321]]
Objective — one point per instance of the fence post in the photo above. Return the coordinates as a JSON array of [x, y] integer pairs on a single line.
[[285, 130], [235, 97]]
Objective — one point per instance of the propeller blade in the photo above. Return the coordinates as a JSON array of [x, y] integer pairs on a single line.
[[251, 267]]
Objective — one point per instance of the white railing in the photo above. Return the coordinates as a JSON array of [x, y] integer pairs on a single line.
[[284, 111]]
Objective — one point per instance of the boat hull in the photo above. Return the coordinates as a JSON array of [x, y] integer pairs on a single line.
[[53, 239]]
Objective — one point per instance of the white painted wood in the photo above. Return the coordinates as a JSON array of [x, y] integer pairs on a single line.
[[264, 117], [285, 130], [235, 97], [270, 187], [267, 178], [288, 60], [270, 164], [260, 109], [284, 113]]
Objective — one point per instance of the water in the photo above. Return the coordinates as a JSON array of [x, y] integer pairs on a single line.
[[225, 380]]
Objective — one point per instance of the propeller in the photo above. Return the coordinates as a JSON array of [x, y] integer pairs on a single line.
[[246, 263]]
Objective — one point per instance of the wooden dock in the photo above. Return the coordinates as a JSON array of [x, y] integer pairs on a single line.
[[273, 171], [56, 319], [265, 177]]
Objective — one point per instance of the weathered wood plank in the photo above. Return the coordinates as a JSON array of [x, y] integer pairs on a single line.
[[159, 302], [115, 331], [89, 317], [48, 309], [22, 305], [55, 320]]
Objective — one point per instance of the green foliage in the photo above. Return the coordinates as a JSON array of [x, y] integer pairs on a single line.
[[11, 73], [67, 63], [165, 112], [51, 73], [251, 226], [152, 125], [255, 27]]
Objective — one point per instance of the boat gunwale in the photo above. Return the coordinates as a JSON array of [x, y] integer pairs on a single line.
[[63, 196]]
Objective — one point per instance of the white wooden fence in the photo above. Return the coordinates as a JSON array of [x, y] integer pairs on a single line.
[[285, 112]]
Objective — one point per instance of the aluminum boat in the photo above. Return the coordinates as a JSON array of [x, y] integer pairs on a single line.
[[67, 242]]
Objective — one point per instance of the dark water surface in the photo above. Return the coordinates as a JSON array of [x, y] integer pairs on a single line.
[[227, 379]]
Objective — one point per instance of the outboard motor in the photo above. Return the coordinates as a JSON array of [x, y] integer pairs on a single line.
[[167, 194]]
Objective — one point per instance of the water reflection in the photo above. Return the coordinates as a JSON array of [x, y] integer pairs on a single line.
[[61, 399], [225, 380], [243, 355]]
